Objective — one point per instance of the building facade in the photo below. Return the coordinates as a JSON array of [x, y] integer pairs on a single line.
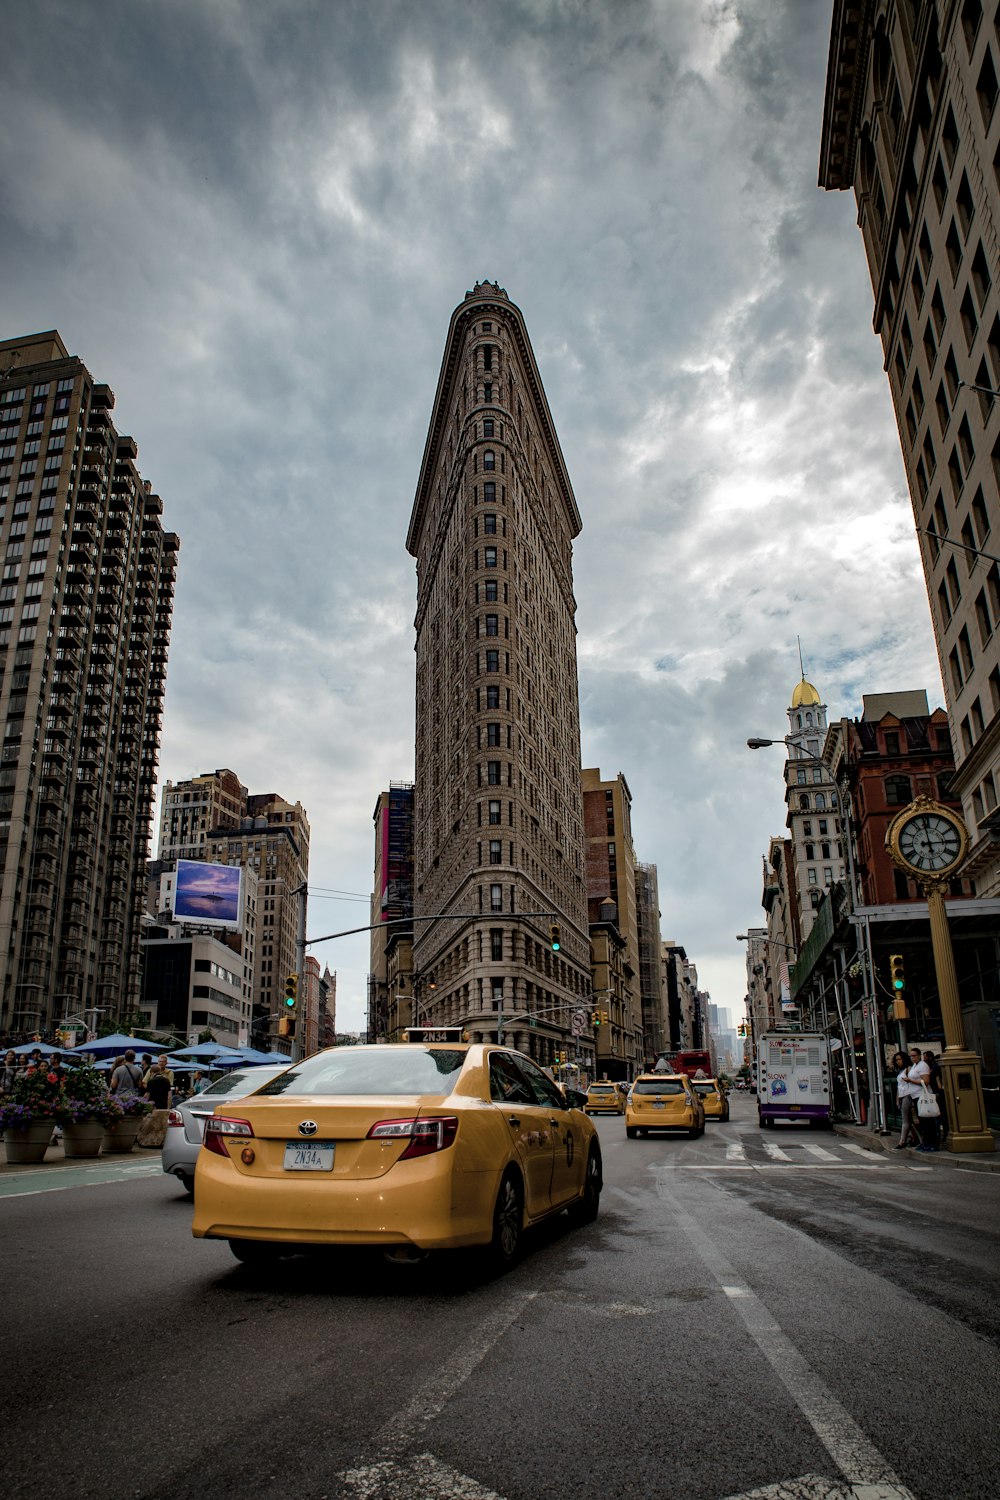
[[498, 826], [911, 126], [265, 834], [812, 816], [86, 601], [610, 865], [650, 973], [390, 977]]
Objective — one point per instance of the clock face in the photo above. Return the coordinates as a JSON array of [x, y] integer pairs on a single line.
[[929, 842]]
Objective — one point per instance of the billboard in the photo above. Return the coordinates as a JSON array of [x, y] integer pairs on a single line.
[[208, 895]]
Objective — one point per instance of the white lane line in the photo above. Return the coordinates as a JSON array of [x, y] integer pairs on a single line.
[[775, 1151], [821, 1153], [433, 1396], [736, 1151], [423, 1475], [855, 1456]]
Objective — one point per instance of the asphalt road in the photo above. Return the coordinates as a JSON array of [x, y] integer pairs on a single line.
[[782, 1317]]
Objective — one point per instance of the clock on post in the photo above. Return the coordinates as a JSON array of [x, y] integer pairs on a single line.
[[929, 841]]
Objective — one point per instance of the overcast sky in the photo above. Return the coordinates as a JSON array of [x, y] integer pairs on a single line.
[[253, 220]]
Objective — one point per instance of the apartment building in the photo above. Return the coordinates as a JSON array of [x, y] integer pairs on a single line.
[[498, 823], [911, 125], [86, 600]]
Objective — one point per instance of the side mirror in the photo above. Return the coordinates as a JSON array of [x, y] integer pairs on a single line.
[[574, 1099]]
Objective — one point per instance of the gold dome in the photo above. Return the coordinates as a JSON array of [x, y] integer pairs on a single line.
[[805, 696]]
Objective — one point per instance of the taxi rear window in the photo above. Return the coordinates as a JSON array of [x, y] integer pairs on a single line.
[[657, 1086], [382, 1070], [603, 1088], [705, 1088]]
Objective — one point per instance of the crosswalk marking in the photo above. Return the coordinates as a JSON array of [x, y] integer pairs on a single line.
[[736, 1151], [775, 1151], [820, 1152]]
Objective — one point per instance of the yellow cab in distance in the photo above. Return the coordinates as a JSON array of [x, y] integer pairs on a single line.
[[604, 1097], [663, 1101], [715, 1100], [423, 1145]]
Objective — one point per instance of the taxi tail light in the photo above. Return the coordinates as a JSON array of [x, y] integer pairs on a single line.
[[217, 1130], [174, 1117], [427, 1135]]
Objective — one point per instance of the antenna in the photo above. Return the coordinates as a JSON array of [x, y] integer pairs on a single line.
[[802, 670]]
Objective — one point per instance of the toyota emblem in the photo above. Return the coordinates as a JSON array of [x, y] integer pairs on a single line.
[[308, 1127]]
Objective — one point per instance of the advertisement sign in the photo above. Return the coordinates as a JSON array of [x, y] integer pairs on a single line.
[[208, 895]]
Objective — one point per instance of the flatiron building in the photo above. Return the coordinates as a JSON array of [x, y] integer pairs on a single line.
[[498, 805]]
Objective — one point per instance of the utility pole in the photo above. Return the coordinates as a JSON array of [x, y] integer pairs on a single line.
[[300, 893]]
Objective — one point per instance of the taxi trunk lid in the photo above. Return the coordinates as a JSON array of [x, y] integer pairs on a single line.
[[345, 1121]]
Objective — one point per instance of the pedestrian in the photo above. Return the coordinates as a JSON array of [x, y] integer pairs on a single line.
[[159, 1089], [147, 1063], [9, 1072], [932, 1125], [200, 1082], [127, 1076], [906, 1095]]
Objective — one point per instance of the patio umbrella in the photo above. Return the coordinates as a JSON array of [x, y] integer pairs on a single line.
[[111, 1046], [253, 1055], [209, 1052], [43, 1047]]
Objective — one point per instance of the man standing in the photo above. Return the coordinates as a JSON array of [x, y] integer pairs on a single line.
[[908, 1087], [127, 1077], [159, 1089]]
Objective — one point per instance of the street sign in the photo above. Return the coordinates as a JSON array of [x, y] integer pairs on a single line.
[[577, 1022]]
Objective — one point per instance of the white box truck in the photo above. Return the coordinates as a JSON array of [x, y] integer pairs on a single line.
[[793, 1077]]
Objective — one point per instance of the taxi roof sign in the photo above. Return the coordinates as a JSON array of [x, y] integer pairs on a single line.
[[426, 1034]]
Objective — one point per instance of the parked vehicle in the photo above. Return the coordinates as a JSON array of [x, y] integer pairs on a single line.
[[793, 1078]]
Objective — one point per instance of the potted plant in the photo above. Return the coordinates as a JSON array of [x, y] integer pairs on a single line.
[[28, 1114], [123, 1114], [83, 1114]]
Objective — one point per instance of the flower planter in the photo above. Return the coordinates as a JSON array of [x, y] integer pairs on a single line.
[[26, 1146], [120, 1136], [83, 1138]]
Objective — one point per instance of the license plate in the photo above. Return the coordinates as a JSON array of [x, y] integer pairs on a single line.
[[658, 1104], [317, 1156], [795, 1106]]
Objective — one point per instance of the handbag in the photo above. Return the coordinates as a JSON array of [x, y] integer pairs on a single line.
[[927, 1105]]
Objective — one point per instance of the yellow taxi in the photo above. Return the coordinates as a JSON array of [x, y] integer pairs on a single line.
[[715, 1100], [604, 1098], [663, 1101], [424, 1145]]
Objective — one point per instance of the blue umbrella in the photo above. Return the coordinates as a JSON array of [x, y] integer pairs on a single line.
[[253, 1055], [208, 1052], [111, 1046], [43, 1047]]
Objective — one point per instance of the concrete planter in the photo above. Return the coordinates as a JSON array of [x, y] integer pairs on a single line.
[[120, 1137], [25, 1147], [83, 1139]]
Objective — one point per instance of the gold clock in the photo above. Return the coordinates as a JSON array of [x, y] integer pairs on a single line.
[[927, 840]]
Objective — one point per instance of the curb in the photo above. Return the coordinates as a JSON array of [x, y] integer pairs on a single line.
[[55, 1156], [881, 1145]]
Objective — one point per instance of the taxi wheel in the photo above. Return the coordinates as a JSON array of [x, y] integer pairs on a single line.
[[585, 1211], [255, 1252], [508, 1223], [188, 1182], [631, 1132]]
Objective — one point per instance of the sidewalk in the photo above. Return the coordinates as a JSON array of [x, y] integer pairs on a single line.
[[55, 1156], [967, 1161]]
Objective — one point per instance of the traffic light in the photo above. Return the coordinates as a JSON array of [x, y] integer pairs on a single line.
[[595, 1018], [554, 937], [291, 991], [604, 1017], [896, 976]]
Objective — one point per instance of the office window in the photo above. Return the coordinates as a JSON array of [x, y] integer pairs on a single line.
[[492, 625], [494, 812], [493, 734], [496, 944], [986, 88], [489, 459], [490, 525], [489, 557], [496, 898], [897, 791], [493, 772], [493, 661], [488, 427], [496, 849], [493, 696], [490, 492]]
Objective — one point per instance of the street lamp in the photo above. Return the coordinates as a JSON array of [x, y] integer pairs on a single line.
[[756, 743]]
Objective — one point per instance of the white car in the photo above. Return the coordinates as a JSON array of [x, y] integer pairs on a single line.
[[186, 1121]]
